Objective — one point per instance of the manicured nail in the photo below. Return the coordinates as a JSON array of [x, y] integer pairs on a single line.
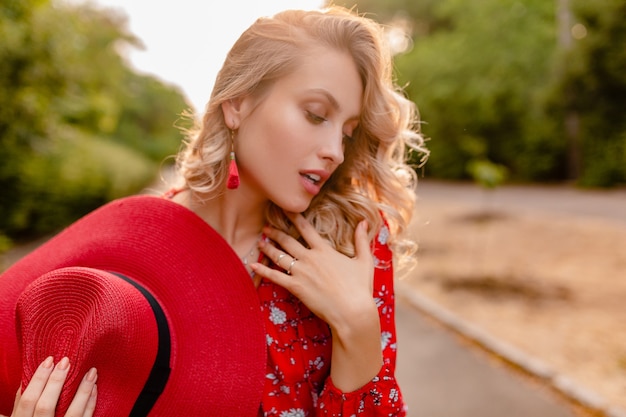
[[63, 364], [91, 375], [47, 363]]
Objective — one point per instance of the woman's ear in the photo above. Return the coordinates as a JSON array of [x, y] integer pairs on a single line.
[[232, 113]]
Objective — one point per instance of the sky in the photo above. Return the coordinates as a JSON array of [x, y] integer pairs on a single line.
[[186, 41]]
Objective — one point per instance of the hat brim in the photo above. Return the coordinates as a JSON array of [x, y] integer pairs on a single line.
[[218, 351]]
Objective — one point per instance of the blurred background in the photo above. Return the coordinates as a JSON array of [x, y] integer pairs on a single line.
[[511, 93], [515, 90]]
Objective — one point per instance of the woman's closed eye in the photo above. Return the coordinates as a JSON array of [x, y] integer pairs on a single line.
[[315, 118]]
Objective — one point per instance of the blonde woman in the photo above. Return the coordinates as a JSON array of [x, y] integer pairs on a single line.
[[299, 164]]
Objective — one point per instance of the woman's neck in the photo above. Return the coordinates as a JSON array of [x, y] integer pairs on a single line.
[[237, 219]]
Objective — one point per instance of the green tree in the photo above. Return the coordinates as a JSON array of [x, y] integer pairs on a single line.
[[78, 127], [476, 81], [492, 83], [590, 84]]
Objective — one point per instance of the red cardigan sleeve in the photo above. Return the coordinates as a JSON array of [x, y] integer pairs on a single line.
[[381, 396]]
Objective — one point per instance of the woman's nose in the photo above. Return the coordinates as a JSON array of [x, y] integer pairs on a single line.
[[333, 148]]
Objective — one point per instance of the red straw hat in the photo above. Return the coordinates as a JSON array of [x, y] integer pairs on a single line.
[[134, 288]]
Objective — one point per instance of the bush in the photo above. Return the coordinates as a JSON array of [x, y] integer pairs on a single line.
[[77, 175], [78, 127], [605, 164]]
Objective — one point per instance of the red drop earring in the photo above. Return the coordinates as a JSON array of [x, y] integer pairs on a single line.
[[233, 172]]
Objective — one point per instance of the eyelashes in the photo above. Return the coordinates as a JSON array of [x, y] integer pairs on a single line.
[[317, 119]]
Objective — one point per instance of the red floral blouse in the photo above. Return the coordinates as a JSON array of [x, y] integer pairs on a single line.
[[298, 382]]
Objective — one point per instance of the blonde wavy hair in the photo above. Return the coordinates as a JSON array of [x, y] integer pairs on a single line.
[[374, 178]]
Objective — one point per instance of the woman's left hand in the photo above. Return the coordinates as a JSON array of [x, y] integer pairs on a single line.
[[332, 285]]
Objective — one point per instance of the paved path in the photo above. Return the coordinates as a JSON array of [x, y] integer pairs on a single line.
[[440, 376]]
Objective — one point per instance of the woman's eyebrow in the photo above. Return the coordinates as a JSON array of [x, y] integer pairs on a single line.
[[333, 101]]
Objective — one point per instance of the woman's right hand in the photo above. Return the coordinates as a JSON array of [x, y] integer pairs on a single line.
[[42, 393]]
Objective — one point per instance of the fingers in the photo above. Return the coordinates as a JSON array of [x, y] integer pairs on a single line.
[[42, 393], [30, 398], [91, 404], [279, 257], [361, 241], [50, 395], [306, 229], [274, 275], [84, 401], [18, 395], [291, 264], [291, 247]]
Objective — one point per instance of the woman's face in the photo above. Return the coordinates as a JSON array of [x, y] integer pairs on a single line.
[[291, 140]]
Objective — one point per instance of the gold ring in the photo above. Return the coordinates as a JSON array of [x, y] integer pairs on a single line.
[[293, 261]]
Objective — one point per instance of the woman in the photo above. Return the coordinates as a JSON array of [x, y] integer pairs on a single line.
[[299, 164]]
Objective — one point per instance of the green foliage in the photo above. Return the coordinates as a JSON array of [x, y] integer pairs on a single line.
[[474, 80], [78, 127], [421, 13], [150, 120], [74, 175], [486, 173], [491, 81], [611, 151], [593, 82], [5, 244]]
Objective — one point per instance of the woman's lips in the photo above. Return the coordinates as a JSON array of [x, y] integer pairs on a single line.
[[312, 181]]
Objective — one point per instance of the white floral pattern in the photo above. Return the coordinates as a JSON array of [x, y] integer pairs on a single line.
[[294, 412], [277, 316], [385, 338], [383, 235]]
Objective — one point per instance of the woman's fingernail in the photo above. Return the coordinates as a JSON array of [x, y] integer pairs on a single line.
[[91, 375], [47, 363], [63, 364]]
